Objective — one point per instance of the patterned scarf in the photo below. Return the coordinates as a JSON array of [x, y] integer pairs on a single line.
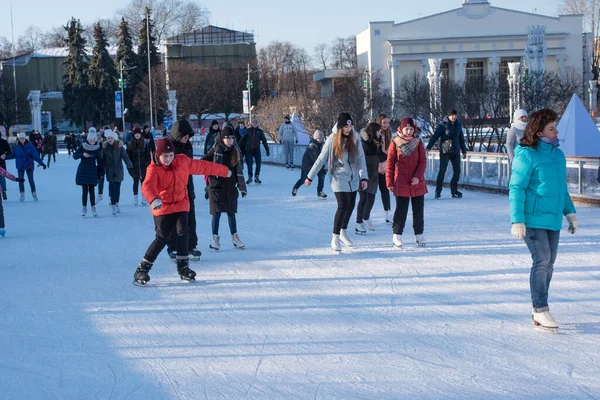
[[406, 148]]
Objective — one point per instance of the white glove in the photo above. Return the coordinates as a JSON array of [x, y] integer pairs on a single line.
[[518, 230], [572, 223], [156, 204], [229, 174]]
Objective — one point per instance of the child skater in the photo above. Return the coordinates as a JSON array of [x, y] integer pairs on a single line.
[[5, 174], [223, 192], [345, 160], [165, 190], [405, 177], [87, 172]]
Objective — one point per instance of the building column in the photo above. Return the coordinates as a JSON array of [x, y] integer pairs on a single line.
[[514, 87], [493, 66], [172, 103], [435, 85], [460, 65], [536, 49], [35, 105], [561, 58]]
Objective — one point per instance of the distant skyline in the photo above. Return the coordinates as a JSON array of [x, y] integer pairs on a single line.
[[304, 23]]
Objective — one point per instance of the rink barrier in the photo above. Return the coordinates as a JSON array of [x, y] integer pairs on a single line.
[[487, 172]]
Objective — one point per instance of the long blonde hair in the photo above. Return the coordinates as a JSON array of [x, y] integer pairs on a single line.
[[387, 133], [338, 144]]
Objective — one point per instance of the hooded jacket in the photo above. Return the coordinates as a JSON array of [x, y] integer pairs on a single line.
[[112, 161], [179, 130], [140, 158], [223, 192], [250, 142], [288, 133], [373, 156], [346, 172], [538, 191], [87, 170], [24, 156], [169, 183], [400, 170], [449, 131]]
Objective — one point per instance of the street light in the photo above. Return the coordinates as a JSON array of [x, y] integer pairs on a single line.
[[122, 86]]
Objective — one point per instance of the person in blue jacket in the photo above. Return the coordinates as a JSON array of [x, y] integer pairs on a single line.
[[90, 154], [538, 200], [452, 143], [24, 154]]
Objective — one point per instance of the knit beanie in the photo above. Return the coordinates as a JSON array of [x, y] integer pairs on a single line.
[[22, 135], [137, 129], [344, 119], [452, 111], [181, 128], [164, 145], [92, 135], [108, 133], [227, 132]]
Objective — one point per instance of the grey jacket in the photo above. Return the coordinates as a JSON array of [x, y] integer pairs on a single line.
[[288, 133], [347, 172], [513, 136], [113, 162]]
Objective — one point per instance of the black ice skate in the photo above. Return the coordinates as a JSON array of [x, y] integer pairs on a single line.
[[256, 180], [184, 271], [249, 181], [457, 195], [321, 195], [141, 277], [195, 254]]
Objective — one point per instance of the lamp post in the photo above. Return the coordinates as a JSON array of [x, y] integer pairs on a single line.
[[122, 86], [149, 66]]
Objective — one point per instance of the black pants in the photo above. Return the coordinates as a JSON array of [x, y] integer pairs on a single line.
[[114, 192], [216, 219], [54, 156], [85, 189], [365, 205], [192, 236], [136, 184], [346, 202], [455, 159], [385, 193], [250, 157], [418, 204], [1, 214], [164, 226], [320, 182]]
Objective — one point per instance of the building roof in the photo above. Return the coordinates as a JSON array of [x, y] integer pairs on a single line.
[[211, 35], [49, 52]]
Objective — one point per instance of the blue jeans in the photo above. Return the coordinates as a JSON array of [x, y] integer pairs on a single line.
[[250, 157], [3, 183], [543, 245], [21, 173]]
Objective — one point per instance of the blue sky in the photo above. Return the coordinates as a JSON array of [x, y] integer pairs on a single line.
[[305, 23]]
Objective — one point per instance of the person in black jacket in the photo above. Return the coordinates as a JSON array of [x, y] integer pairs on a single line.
[[212, 134], [180, 135], [49, 146], [139, 154], [5, 150], [452, 142], [250, 146], [310, 156], [223, 192]]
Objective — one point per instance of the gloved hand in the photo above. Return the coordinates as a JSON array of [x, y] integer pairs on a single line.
[[19, 179], [130, 170], [156, 204], [267, 153], [229, 174], [206, 193], [572, 223], [43, 166], [244, 194], [296, 142], [464, 156], [518, 230]]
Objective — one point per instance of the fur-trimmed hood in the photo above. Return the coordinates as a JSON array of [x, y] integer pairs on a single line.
[[105, 143]]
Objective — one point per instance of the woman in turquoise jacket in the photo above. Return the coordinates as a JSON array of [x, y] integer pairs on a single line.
[[538, 200]]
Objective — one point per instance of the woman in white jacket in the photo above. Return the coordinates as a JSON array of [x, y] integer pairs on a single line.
[[345, 160], [515, 133]]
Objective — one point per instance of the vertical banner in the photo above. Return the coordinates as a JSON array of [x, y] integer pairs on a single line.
[[118, 105], [246, 101]]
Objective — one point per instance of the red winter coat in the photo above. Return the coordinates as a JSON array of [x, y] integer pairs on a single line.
[[400, 170], [170, 183]]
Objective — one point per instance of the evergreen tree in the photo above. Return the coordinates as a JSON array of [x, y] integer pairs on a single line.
[[127, 56], [75, 79], [143, 47], [102, 80]]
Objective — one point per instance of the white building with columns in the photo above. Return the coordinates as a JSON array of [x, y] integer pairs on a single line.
[[474, 40]]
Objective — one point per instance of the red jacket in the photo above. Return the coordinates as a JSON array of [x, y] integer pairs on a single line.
[[170, 183], [400, 171]]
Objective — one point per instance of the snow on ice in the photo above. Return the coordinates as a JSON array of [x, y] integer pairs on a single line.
[[287, 318]]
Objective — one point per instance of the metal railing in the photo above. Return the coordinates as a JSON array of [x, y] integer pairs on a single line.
[[479, 170]]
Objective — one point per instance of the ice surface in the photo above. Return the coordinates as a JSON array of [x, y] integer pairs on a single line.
[[287, 318]]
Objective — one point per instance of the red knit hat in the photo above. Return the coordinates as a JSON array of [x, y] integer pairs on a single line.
[[137, 129], [164, 145], [408, 121]]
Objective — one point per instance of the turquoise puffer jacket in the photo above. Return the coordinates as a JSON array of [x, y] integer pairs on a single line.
[[538, 187]]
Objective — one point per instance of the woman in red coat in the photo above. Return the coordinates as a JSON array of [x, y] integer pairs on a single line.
[[165, 189], [405, 177]]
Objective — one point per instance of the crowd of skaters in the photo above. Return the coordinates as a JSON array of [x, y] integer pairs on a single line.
[[360, 163]]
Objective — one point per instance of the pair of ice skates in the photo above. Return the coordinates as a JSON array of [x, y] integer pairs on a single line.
[[84, 211], [237, 243]]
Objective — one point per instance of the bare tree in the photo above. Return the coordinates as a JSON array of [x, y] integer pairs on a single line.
[[322, 55], [412, 96], [343, 53], [590, 9], [192, 17], [110, 26], [5, 48], [31, 40], [10, 103]]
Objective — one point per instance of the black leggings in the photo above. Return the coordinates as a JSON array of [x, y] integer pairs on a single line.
[[418, 204], [85, 189], [385, 193], [365, 205], [164, 225], [216, 219], [346, 202], [136, 184]]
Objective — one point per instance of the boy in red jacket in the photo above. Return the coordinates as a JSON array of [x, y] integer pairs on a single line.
[[165, 189]]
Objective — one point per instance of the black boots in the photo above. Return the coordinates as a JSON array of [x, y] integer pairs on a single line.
[[184, 271], [141, 277]]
